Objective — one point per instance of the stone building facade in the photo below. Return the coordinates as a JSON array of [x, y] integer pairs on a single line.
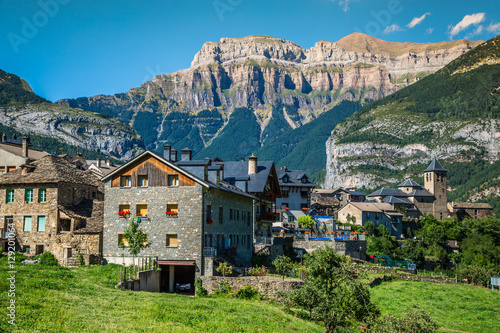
[[51, 206], [187, 218]]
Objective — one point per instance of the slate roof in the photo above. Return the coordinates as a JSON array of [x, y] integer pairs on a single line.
[[435, 166], [294, 178], [421, 192], [409, 183], [393, 200], [372, 206], [355, 193], [257, 182], [90, 212], [50, 170], [17, 149], [388, 192]]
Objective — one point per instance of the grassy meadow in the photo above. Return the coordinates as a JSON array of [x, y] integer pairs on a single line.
[[58, 299]]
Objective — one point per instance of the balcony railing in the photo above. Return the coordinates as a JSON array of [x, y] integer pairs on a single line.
[[209, 252], [264, 240]]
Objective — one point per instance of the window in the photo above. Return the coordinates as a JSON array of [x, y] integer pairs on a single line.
[[27, 224], [171, 240], [125, 181], [304, 180], [42, 195], [173, 180], [172, 209], [367, 215], [10, 196], [249, 220], [248, 241], [231, 214], [28, 195], [124, 210], [237, 214], [11, 168], [142, 210], [41, 223], [68, 253], [2, 169], [285, 179], [221, 215], [64, 225], [122, 241], [209, 212], [26, 249], [237, 239], [143, 181]]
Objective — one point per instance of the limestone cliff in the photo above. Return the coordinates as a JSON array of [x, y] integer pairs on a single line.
[[259, 71]]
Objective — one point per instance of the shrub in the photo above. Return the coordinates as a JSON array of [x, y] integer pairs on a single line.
[[81, 261], [257, 271], [224, 289], [261, 259], [48, 259], [413, 321], [283, 265], [247, 293], [475, 275], [200, 290]]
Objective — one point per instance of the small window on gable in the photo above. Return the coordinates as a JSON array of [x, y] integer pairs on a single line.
[[171, 240], [172, 209], [125, 181], [143, 181], [285, 179], [142, 210], [173, 180]]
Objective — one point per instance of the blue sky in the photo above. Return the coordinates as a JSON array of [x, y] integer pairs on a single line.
[[74, 48]]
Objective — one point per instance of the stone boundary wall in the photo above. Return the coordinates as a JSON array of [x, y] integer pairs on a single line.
[[266, 285], [392, 273], [351, 248]]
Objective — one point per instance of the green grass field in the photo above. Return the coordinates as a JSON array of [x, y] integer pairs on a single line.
[[456, 308], [58, 299]]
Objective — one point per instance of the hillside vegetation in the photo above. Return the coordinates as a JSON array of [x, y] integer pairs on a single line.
[[453, 114]]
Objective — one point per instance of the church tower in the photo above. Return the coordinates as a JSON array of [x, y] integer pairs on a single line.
[[436, 182]]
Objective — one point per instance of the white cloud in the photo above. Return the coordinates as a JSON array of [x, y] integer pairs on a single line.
[[344, 4], [392, 28], [495, 28], [429, 31], [417, 20], [466, 22], [476, 32]]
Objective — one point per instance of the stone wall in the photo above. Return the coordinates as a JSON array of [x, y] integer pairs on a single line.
[[267, 286], [351, 248], [393, 273]]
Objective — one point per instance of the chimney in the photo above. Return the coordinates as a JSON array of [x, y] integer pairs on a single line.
[[166, 152], [252, 164], [26, 140], [108, 162], [99, 163], [4, 138], [173, 155], [186, 154]]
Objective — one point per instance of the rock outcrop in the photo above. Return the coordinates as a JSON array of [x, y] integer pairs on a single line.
[[258, 71]]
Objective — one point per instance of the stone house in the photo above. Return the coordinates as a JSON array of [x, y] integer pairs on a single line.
[[50, 205], [190, 215], [14, 154], [295, 189], [378, 213], [258, 178], [475, 210]]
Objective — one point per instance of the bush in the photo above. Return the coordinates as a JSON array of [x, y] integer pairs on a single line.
[[413, 321], [81, 261], [200, 290], [261, 259], [257, 271], [48, 259], [476, 275], [247, 293], [224, 289]]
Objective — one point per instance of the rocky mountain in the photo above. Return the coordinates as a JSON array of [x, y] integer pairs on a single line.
[[453, 114], [275, 80], [53, 127]]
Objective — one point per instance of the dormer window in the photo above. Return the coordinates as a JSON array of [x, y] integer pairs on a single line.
[[285, 179], [304, 180]]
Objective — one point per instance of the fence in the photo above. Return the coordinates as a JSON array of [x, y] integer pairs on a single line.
[[209, 252], [264, 240], [128, 273]]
